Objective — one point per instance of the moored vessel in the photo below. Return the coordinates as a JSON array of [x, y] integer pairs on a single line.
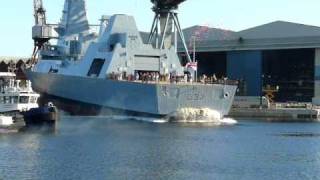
[[16, 97]]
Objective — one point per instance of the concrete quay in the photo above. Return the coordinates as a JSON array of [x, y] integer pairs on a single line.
[[278, 114]]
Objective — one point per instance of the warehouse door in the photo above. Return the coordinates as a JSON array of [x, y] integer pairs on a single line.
[[292, 71], [210, 63]]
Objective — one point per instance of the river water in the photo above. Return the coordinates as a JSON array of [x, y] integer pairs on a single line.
[[108, 148]]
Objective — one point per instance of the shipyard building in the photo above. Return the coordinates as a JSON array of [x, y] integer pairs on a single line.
[[280, 57]]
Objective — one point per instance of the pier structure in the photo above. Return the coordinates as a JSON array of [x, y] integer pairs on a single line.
[[280, 112]]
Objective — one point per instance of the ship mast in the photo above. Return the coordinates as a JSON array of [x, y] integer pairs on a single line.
[[166, 22], [41, 31]]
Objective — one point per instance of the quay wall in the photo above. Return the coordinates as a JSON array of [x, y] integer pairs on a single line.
[[277, 114]]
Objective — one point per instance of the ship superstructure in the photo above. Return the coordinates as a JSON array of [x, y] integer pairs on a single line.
[[115, 69]]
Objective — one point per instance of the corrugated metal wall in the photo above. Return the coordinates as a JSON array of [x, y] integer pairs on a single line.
[[246, 65], [317, 73]]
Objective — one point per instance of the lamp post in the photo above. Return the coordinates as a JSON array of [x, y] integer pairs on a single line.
[[261, 90], [194, 56]]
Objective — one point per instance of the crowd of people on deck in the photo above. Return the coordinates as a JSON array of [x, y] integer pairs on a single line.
[[150, 77], [213, 79], [156, 77]]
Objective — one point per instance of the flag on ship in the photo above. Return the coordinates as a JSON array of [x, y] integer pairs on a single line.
[[192, 65]]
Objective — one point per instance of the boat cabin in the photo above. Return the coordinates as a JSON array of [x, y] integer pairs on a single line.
[[16, 95]]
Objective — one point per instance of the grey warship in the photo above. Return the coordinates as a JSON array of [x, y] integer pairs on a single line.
[[115, 69]]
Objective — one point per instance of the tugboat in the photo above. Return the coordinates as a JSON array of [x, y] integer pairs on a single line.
[[19, 107], [46, 115], [16, 96]]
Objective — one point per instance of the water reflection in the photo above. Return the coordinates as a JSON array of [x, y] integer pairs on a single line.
[[299, 134], [109, 148]]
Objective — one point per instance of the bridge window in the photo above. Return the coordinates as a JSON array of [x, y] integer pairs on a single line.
[[7, 100], [33, 99], [14, 99], [24, 99]]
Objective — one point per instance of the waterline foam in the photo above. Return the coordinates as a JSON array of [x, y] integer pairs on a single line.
[[200, 115]]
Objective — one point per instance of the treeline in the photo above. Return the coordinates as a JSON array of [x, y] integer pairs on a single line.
[[14, 66]]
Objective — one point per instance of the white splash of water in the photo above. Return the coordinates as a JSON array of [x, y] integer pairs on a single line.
[[138, 118], [184, 115], [228, 121], [200, 115]]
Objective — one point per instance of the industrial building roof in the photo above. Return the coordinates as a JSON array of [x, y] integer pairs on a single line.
[[274, 35], [280, 29], [205, 32]]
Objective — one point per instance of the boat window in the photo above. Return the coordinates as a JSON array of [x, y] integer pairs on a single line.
[[7, 100], [24, 99], [2, 100], [52, 70], [96, 67], [33, 99], [14, 99], [45, 57]]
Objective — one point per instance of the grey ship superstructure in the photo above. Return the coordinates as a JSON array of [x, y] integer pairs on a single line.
[[115, 69]]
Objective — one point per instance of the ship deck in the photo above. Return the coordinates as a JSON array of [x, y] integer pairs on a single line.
[[223, 82]]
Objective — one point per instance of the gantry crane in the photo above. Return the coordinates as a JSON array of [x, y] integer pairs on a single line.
[[166, 22], [41, 31]]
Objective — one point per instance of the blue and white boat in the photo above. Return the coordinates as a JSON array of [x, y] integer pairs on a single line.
[[16, 97]]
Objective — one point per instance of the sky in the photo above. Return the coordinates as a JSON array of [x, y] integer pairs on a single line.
[[16, 16]]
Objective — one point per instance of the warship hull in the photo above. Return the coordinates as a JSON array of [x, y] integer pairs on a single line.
[[158, 99]]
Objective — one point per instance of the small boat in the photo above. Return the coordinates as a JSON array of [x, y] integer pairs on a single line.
[[19, 107], [46, 115], [16, 96]]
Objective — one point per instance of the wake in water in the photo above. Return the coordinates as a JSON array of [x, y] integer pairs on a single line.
[[185, 115], [124, 118], [137, 118], [203, 115]]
